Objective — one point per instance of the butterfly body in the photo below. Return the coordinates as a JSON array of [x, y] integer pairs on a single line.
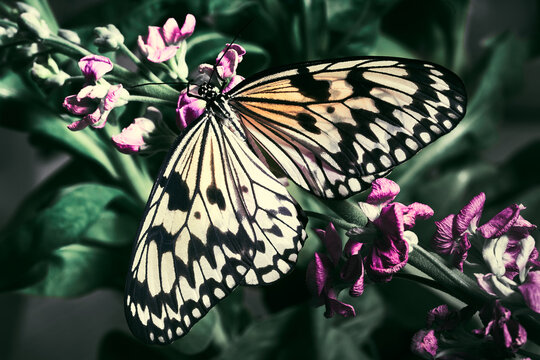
[[217, 217]]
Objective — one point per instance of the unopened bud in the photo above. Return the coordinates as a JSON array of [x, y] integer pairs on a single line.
[[108, 38]]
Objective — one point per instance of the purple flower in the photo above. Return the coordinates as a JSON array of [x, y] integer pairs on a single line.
[[452, 235], [162, 43], [506, 332], [132, 138], [390, 251], [95, 66], [425, 344], [319, 274], [95, 103], [190, 107], [530, 290], [442, 318]]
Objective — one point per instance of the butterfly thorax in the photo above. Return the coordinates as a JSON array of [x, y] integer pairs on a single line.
[[217, 104]]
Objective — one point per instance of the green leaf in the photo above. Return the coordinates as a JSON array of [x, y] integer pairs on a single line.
[[280, 336], [64, 222], [76, 270], [113, 229], [77, 209]]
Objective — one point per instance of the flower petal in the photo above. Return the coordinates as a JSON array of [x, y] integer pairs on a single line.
[[317, 274], [413, 211], [470, 214], [530, 290], [77, 106], [189, 108], [442, 318], [95, 66], [131, 139], [383, 191], [443, 241], [390, 252], [331, 241], [425, 344], [235, 80], [501, 222], [334, 306], [492, 285]]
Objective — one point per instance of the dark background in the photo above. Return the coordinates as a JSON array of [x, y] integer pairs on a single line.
[[33, 327]]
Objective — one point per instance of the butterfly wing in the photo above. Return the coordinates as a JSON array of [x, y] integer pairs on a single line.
[[335, 126], [215, 218]]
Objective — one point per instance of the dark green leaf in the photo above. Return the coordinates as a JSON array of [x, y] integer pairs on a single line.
[[285, 335], [113, 228], [76, 269]]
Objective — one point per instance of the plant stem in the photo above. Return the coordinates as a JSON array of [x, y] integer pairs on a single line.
[[348, 210], [335, 220], [151, 100], [137, 179], [454, 281]]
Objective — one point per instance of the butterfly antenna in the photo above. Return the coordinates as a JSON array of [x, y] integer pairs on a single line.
[[227, 49], [159, 83]]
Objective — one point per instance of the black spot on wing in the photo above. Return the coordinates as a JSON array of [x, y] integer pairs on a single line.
[[215, 196], [307, 122], [178, 193], [318, 90]]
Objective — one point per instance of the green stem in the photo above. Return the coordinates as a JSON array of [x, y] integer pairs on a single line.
[[151, 100], [348, 210], [66, 47], [335, 220], [454, 281], [422, 280], [137, 179]]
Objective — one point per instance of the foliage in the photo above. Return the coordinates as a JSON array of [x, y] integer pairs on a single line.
[[73, 234]]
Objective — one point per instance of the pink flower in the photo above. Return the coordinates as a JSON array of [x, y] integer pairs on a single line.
[[162, 43], [507, 333], [319, 274], [452, 236], [95, 66], [530, 290], [189, 107], [132, 138], [425, 344], [95, 103], [390, 251]]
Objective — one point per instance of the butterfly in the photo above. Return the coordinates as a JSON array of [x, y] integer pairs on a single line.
[[217, 217]]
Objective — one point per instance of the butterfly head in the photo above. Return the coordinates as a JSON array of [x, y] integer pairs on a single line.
[[208, 91]]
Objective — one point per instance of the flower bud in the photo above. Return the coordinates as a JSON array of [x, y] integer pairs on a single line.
[[34, 24], [48, 74], [108, 38], [132, 139], [69, 35]]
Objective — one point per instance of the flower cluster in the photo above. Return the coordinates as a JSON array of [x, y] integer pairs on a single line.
[[378, 251], [447, 337], [507, 248], [95, 100]]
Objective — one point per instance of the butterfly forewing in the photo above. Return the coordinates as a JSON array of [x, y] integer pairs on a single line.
[[334, 126], [215, 213]]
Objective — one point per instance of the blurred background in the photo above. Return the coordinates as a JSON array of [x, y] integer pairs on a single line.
[[466, 36]]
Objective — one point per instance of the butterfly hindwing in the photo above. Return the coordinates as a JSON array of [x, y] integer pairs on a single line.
[[216, 217], [335, 126]]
